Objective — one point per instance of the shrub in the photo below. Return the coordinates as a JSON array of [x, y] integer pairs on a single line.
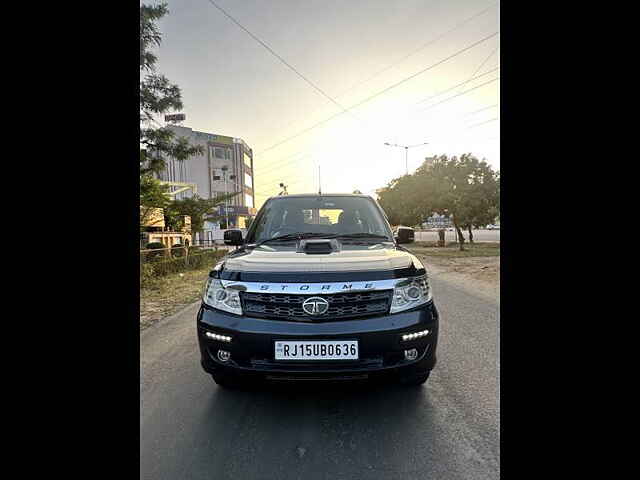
[[152, 272], [177, 250], [192, 262], [147, 274], [155, 246]]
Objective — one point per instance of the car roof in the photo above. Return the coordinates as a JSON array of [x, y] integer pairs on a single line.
[[314, 195]]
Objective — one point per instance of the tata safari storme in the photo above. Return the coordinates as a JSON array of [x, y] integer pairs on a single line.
[[319, 289]]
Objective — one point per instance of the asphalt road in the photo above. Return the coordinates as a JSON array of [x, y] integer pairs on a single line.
[[478, 236], [448, 429]]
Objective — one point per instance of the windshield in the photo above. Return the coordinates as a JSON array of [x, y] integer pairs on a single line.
[[330, 215]]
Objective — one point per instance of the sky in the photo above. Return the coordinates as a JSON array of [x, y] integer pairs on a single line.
[[394, 66]]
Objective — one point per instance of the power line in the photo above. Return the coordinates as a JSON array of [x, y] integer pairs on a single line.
[[430, 42], [481, 110], [421, 101], [485, 60], [422, 47], [456, 86], [427, 108], [279, 57], [371, 97], [482, 123], [279, 168], [458, 95], [280, 161], [271, 189]]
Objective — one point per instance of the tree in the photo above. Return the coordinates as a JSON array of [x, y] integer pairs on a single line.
[[400, 201], [153, 195], [199, 209], [465, 187], [157, 96]]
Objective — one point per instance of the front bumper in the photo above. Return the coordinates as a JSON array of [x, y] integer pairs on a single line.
[[381, 348]]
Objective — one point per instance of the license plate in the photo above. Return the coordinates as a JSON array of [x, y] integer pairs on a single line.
[[317, 350]]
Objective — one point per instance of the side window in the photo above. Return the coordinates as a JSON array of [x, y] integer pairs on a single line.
[[260, 228]]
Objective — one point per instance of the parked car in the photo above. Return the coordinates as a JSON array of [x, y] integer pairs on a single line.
[[303, 300]]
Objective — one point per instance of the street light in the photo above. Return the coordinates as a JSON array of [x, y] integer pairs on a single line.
[[226, 200], [284, 189], [406, 151]]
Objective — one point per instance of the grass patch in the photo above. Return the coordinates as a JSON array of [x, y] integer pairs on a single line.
[[452, 250], [168, 294]]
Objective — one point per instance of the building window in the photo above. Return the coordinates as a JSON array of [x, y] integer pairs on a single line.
[[222, 153], [247, 161], [248, 200], [247, 180]]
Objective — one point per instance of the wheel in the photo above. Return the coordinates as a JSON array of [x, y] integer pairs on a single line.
[[226, 381], [416, 380]]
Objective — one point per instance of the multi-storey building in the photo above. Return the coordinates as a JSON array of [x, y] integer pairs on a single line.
[[225, 166]]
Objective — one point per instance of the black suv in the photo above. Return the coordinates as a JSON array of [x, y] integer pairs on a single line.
[[318, 290]]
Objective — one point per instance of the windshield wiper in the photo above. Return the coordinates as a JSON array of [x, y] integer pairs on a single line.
[[291, 236], [359, 235]]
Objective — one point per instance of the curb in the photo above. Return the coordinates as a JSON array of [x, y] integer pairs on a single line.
[[168, 318]]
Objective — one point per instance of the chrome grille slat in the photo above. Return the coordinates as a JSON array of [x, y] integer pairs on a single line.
[[342, 306]]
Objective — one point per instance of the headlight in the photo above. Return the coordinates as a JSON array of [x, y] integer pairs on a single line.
[[410, 293], [216, 296]]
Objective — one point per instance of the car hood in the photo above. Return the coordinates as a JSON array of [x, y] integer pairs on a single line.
[[361, 259]]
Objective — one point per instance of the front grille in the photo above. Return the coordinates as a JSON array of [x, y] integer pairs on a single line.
[[341, 305]]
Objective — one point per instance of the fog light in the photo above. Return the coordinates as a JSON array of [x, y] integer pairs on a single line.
[[414, 335], [220, 338], [223, 355], [411, 354]]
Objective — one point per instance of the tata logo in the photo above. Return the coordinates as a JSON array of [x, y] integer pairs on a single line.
[[315, 306]]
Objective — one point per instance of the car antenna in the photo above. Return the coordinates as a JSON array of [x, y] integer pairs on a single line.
[[319, 183]]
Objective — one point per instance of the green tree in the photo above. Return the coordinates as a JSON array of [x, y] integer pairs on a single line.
[[400, 201], [157, 96], [199, 209], [152, 195], [464, 187]]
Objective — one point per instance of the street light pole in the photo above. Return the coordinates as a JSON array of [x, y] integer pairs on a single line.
[[226, 200], [406, 159], [406, 151]]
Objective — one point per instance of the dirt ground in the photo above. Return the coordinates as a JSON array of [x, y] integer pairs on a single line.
[[170, 295], [483, 269], [480, 275]]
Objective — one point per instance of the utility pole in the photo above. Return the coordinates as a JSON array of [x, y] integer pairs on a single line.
[[226, 200], [406, 151]]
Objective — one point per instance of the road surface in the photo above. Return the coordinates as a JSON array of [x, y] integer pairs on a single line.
[[448, 429]]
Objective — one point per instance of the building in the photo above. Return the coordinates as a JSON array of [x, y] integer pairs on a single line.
[[154, 230], [225, 166]]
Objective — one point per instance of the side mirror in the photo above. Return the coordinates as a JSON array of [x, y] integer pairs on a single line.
[[233, 237], [405, 235]]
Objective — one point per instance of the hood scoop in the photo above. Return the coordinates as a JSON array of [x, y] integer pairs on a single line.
[[318, 246]]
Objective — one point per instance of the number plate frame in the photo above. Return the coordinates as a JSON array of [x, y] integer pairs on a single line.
[[325, 358]]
